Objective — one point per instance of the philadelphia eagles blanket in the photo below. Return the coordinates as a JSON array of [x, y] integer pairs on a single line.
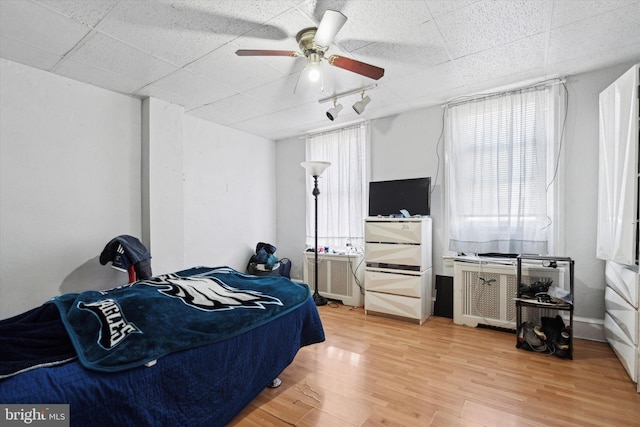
[[134, 324]]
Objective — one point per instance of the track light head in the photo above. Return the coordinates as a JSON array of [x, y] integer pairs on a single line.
[[360, 105], [333, 112]]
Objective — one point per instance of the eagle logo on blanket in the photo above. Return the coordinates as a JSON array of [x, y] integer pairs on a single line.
[[209, 293]]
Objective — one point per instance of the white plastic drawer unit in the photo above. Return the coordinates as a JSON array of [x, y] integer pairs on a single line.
[[394, 232], [410, 285], [624, 280], [627, 352], [397, 305], [390, 255], [623, 314]]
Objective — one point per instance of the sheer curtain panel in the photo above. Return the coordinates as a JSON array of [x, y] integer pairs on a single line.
[[341, 203], [502, 185]]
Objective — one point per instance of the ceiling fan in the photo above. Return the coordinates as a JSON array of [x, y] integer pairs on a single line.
[[314, 42]]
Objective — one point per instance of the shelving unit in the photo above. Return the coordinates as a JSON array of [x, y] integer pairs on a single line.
[[543, 267]]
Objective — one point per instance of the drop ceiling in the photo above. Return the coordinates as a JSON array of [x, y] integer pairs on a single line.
[[183, 52]]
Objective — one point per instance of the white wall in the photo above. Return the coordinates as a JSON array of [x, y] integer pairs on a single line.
[[71, 174], [69, 182], [291, 203], [162, 184], [581, 177], [229, 194], [405, 145]]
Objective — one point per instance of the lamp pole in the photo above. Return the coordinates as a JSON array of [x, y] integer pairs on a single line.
[[315, 169], [317, 298]]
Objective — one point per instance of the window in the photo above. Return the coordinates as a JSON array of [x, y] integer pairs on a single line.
[[342, 199], [502, 172]]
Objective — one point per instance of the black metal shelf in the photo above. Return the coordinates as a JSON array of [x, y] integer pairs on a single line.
[[546, 262]]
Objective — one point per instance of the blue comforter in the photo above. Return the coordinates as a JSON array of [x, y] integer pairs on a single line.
[[204, 386]]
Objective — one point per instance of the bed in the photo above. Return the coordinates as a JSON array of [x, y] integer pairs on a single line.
[[143, 361]]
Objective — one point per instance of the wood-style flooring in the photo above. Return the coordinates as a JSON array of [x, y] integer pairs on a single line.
[[376, 371]]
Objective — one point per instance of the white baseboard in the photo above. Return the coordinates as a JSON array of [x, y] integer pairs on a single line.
[[588, 328]]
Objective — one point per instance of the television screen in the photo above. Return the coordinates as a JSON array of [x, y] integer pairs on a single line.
[[388, 197]]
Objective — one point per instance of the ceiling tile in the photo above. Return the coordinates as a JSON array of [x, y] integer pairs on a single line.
[[23, 53], [570, 11], [192, 90], [406, 55], [175, 34], [105, 53], [381, 21], [442, 7], [435, 82], [594, 61], [98, 77], [595, 35], [488, 24], [231, 110], [39, 27], [286, 92], [88, 13], [504, 60], [239, 72]]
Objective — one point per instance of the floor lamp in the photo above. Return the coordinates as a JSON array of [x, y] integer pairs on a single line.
[[315, 169]]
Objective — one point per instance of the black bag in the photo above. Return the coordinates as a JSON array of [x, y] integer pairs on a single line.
[[285, 268], [264, 262]]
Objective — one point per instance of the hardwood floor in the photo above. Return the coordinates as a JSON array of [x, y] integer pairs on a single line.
[[375, 371]]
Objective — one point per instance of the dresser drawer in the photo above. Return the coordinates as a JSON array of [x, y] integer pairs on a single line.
[[387, 254], [392, 283], [394, 232], [624, 280], [396, 305], [627, 352], [624, 315]]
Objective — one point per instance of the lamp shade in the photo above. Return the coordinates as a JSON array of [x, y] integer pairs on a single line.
[[315, 168]]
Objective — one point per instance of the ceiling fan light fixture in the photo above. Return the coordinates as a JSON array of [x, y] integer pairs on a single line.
[[359, 106], [333, 112], [314, 43], [314, 71]]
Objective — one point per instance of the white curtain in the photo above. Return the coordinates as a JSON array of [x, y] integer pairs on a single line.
[[502, 172], [341, 203]]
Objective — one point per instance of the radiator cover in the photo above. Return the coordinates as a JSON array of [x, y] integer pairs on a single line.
[[340, 277], [483, 293]]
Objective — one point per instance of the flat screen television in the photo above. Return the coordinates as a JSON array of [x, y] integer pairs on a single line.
[[388, 197]]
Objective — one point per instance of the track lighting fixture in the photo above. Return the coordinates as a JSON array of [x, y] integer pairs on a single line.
[[333, 112], [359, 106]]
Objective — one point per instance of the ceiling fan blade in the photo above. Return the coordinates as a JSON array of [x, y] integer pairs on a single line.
[[250, 52], [349, 64], [332, 22]]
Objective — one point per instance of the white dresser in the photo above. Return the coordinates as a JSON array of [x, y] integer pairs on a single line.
[[398, 275]]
